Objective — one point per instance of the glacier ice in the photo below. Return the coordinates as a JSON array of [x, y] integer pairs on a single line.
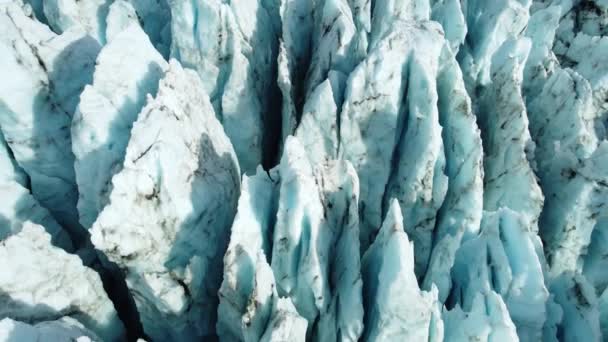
[[127, 69], [301, 211], [57, 285], [317, 217], [579, 303], [49, 71], [489, 24], [450, 15], [99, 17], [502, 259], [232, 46], [286, 324], [87, 15], [460, 213], [376, 132], [396, 308], [250, 308], [10, 170], [502, 116], [64, 329], [294, 52], [19, 204], [248, 290], [488, 320], [558, 155], [328, 170], [173, 266]]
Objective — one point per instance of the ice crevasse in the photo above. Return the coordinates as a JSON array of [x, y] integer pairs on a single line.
[[298, 170]]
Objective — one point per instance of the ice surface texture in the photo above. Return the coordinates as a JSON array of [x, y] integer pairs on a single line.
[[297, 170]]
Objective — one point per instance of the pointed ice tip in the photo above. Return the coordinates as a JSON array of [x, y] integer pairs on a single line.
[[394, 218]]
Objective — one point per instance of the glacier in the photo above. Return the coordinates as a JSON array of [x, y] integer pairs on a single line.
[[64, 329], [173, 278], [296, 170], [58, 285], [103, 119]]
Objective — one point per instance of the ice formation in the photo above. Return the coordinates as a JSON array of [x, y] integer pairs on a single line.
[[127, 69], [306, 225], [48, 73], [64, 329], [57, 285], [396, 309], [296, 170], [173, 266]]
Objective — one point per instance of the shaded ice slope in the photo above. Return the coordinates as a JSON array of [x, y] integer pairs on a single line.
[[49, 72], [327, 170], [306, 225], [127, 69], [232, 46], [173, 266], [20, 206], [99, 17], [396, 308], [57, 285], [64, 329], [502, 260], [380, 125]]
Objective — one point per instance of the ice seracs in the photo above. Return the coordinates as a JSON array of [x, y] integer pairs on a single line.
[[250, 308], [20, 206], [99, 18], [317, 216], [489, 25], [61, 330], [503, 260], [488, 320], [318, 129], [285, 324], [580, 307], [509, 180], [120, 16], [396, 308], [305, 224], [233, 47], [335, 44], [458, 146], [566, 99], [450, 15], [541, 60], [297, 22], [9, 169], [57, 285], [581, 44], [63, 15], [127, 70], [389, 130], [49, 72], [248, 288], [418, 180], [460, 214], [173, 267]]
